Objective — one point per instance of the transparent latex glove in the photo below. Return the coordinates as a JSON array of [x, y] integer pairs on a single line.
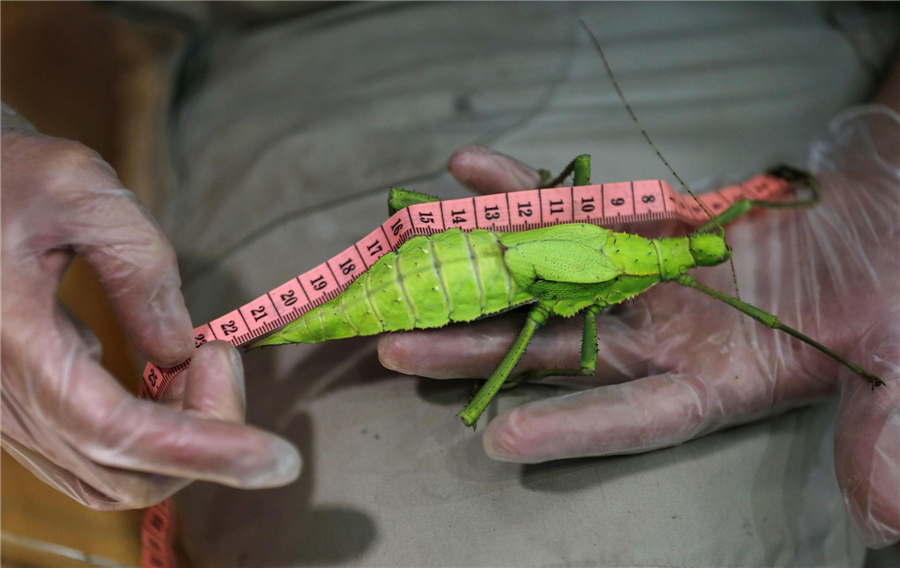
[[65, 417], [675, 364]]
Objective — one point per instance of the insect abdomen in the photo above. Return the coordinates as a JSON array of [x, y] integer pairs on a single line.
[[473, 274], [429, 282]]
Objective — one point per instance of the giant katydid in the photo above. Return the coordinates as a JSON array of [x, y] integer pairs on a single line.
[[564, 270]]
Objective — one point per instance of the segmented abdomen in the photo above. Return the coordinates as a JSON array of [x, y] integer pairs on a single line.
[[429, 282]]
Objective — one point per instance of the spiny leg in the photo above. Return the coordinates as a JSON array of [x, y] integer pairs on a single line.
[[579, 168], [536, 318], [744, 206], [402, 198], [800, 177], [588, 355], [772, 322]]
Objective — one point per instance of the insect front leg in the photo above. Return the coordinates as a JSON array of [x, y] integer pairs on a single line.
[[588, 363], [579, 168], [537, 316], [772, 322], [744, 206]]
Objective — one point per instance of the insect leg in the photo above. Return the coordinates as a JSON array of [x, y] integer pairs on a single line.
[[536, 318], [399, 198], [580, 167], [772, 322], [402, 198], [744, 206], [801, 179], [588, 355]]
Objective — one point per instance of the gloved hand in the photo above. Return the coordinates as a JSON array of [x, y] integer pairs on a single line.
[[675, 364], [65, 417]]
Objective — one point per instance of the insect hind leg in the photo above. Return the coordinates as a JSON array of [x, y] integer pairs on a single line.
[[588, 364], [536, 318]]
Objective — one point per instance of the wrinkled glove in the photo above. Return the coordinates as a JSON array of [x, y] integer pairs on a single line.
[[675, 364], [65, 417]]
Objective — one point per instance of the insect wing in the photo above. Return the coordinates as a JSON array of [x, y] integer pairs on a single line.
[[561, 261]]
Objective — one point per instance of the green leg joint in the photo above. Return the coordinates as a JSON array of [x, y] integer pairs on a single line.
[[402, 198], [588, 365], [470, 414], [772, 322], [579, 168], [744, 206]]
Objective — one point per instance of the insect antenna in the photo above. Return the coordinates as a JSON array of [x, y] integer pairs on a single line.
[[637, 122]]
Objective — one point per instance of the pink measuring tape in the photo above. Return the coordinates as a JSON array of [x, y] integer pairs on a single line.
[[604, 204]]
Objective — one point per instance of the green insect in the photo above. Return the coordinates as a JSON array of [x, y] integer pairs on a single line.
[[455, 276]]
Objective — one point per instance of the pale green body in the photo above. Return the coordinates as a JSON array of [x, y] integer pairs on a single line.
[[429, 282], [454, 276], [457, 276]]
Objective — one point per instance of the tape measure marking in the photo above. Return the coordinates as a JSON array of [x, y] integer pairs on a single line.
[[626, 202], [158, 535], [603, 204]]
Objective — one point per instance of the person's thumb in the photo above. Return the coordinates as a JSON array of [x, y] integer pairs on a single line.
[[484, 170]]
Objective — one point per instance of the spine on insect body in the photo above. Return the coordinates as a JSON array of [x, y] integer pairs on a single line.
[[453, 276], [666, 258]]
